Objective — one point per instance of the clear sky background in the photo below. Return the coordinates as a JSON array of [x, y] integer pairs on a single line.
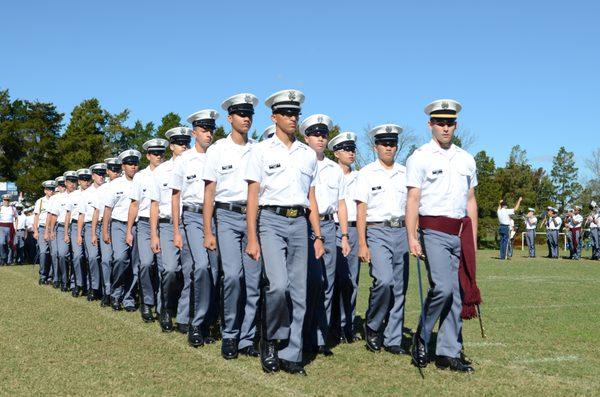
[[526, 72]]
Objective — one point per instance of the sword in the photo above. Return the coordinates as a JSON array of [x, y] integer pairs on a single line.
[[422, 308], [480, 322]]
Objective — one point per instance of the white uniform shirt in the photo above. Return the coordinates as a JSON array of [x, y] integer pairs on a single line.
[[160, 191], [101, 195], [384, 191], [550, 224], [576, 218], [187, 177], [329, 186], [285, 175], [595, 220], [41, 209], [7, 214], [117, 198], [530, 223], [504, 215], [142, 182], [349, 187], [444, 177], [21, 222], [86, 202], [29, 223], [226, 164], [75, 198], [61, 203]]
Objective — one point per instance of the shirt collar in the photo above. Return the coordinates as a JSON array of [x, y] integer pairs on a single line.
[[395, 170]]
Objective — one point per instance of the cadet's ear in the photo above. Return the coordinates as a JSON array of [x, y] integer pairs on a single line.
[[273, 118], [229, 118]]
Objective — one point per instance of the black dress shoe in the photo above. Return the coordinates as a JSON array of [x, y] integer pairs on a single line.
[[182, 328], [56, 285], [373, 340], [292, 368], [64, 288], [229, 348], [453, 364], [268, 356], [105, 302], [195, 338], [249, 351], [76, 292], [166, 323], [41, 281], [130, 309], [418, 352], [395, 349], [146, 311], [324, 351], [116, 305]]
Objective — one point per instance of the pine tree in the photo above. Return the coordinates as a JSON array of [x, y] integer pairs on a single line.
[[564, 177]]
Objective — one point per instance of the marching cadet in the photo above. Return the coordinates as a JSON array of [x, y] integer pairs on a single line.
[[329, 192], [530, 226], [576, 235], [50, 231], [78, 281], [343, 147], [594, 221], [21, 233], [30, 242], [281, 182], [85, 232], [187, 188], [268, 132], [441, 221], [140, 209], [225, 195], [161, 223], [40, 212], [553, 223], [113, 171], [61, 205], [8, 220], [568, 224], [380, 195], [504, 214], [114, 229]]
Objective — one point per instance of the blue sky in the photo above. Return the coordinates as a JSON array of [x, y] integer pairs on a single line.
[[525, 72]]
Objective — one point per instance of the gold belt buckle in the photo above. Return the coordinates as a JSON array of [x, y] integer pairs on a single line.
[[394, 221], [291, 212], [243, 209]]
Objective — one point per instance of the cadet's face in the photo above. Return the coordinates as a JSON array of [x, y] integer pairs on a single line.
[[70, 185], [130, 169], [287, 123], [5, 202], [177, 149], [98, 179], [386, 152], [442, 131], [203, 136], [239, 123], [48, 192], [316, 143], [112, 174], [83, 184], [345, 157], [155, 158]]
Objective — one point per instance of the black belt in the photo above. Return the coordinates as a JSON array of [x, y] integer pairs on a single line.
[[73, 220], [502, 224], [160, 220], [350, 224], [144, 218], [288, 212], [116, 220], [396, 224], [326, 217], [197, 208], [239, 208], [20, 230]]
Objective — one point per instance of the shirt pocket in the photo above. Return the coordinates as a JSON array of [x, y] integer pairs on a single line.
[[226, 169], [191, 178]]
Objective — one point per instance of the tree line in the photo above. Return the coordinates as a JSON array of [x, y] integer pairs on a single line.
[[32, 150]]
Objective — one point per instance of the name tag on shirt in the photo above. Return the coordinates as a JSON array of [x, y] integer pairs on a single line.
[[273, 166], [226, 167], [375, 188], [437, 172], [188, 177]]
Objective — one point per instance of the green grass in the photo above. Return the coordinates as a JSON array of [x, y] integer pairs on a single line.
[[541, 318]]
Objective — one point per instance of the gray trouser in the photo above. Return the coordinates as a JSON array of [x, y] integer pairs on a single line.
[[552, 239], [319, 287], [198, 305], [64, 255], [594, 234], [106, 261], [20, 246], [577, 243], [389, 271], [78, 274], [4, 244], [149, 263], [125, 265], [530, 238], [284, 245], [44, 250], [442, 252], [241, 278], [92, 253], [54, 258], [168, 269], [347, 274]]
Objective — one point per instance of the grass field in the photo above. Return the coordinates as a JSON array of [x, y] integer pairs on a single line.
[[541, 316]]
